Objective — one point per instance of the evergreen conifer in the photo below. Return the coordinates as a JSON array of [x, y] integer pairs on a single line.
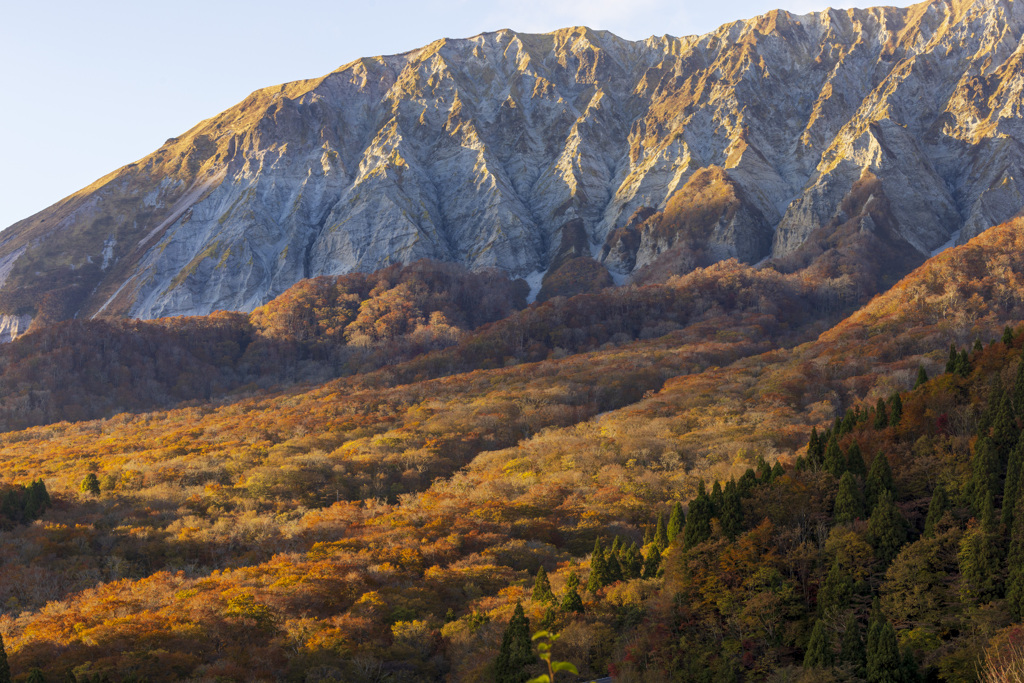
[[883, 654], [516, 650], [660, 533], [851, 648], [895, 410], [571, 600], [698, 521], [731, 515], [849, 503], [819, 648], [922, 377], [855, 461], [937, 507], [879, 479], [542, 587], [881, 415], [676, 522], [598, 569], [886, 529], [835, 461], [652, 564]]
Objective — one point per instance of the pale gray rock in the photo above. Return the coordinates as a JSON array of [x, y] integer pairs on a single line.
[[478, 151]]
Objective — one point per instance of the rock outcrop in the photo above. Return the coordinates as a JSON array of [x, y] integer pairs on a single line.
[[739, 143]]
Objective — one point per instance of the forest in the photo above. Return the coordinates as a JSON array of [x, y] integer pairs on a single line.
[[795, 472]]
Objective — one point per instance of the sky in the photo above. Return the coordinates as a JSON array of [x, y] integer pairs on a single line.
[[87, 87]]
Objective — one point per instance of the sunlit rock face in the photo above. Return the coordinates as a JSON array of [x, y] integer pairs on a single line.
[[745, 140]]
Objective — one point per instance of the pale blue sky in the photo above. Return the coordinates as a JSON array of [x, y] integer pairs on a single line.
[[90, 86]]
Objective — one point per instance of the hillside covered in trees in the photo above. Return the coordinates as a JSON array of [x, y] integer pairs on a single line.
[[740, 473]]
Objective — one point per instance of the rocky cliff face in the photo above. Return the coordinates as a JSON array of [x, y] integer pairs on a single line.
[[739, 143]]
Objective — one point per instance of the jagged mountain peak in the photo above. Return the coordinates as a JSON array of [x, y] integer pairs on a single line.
[[480, 150]]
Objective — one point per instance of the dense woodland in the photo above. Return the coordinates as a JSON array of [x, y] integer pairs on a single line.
[[719, 476]]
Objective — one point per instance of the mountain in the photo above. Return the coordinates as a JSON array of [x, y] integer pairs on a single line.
[[601, 157]]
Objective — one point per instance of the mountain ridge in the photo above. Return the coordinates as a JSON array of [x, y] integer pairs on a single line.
[[481, 150]]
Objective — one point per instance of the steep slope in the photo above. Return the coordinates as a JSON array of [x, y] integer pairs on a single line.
[[366, 528], [479, 151]]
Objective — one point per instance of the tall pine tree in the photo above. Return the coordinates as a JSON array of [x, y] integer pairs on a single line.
[[542, 587], [819, 648], [883, 654], [851, 647], [937, 507], [571, 600], [887, 530], [978, 558], [849, 503], [676, 522], [598, 568], [698, 521], [835, 461], [516, 650], [879, 479], [855, 461]]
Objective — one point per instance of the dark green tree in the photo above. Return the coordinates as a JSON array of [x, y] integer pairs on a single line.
[[922, 377], [747, 482], [963, 364], [881, 415], [777, 470], [661, 534], [836, 592], [676, 522], [614, 568], [598, 569], [698, 521], [717, 496], [542, 587], [883, 654], [849, 502], [985, 470], [1018, 390], [855, 461], [887, 530], [895, 410], [815, 449], [953, 356], [851, 648], [835, 461], [1015, 563], [731, 516], [979, 566], [631, 561], [1014, 483], [1008, 335], [516, 652], [879, 479], [937, 507], [819, 648], [571, 600], [91, 484], [652, 565], [35, 675], [764, 470]]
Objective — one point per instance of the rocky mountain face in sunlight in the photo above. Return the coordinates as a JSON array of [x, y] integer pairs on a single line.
[[744, 143]]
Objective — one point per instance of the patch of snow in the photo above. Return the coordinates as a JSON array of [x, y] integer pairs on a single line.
[[948, 245], [534, 279]]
